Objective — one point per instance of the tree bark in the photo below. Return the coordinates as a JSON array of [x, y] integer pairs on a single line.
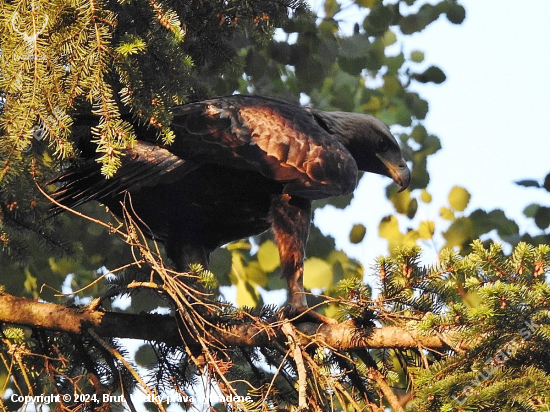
[[164, 328]]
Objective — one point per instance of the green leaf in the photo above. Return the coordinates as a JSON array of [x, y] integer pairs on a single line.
[[354, 46], [459, 233], [367, 3], [456, 13], [353, 66], [255, 275], [413, 207], [394, 63], [279, 51], [546, 183], [317, 274], [145, 356], [63, 266], [459, 198], [483, 222], [389, 229], [319, 245], [527, 183], [430, 145], [246, 278], [331, 8], [239, 245], [392, 85], [413, 23], [401, 201], [426, 229], [375, 56], [255, 64], [378, 20], [419, 133], [220, 265], [398, 113], [389, 38], [30, 284], [531, 210], [357, 233], [268, 256], [247, 296], [542, 217], [446, 213], [432, 74], [425, 196], [417, 56], [339, 202], [344, 267], [410, 238], [372, 105], [328, 26], [420, 176], [418, 106]]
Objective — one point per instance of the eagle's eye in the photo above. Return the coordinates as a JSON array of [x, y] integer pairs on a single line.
[[383, 145]]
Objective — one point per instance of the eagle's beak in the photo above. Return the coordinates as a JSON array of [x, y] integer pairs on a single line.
[[402, 176], [399, 172]]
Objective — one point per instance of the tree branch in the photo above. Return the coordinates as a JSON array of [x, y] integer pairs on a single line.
[[164, 328]]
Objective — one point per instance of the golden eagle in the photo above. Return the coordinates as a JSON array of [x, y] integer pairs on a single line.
[[239, 166]]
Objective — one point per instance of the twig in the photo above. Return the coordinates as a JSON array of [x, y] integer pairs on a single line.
[[295, 348], [9, 370], [340, 391], [275, 375], [129, 367], [445, 339], [386, 390], [127, 396], [79, 214]]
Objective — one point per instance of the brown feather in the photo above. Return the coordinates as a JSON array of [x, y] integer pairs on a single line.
[[238, 166]]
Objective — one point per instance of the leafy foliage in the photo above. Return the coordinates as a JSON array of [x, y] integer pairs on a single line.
[[492, 308], [503, 321]]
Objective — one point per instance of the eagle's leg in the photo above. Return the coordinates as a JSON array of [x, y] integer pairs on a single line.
[[290, 220]]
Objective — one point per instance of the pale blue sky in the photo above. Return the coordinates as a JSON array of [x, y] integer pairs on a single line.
[[491, 116]]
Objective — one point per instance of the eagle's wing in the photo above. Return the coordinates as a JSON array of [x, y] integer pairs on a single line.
[[144, 165], [283, 142]]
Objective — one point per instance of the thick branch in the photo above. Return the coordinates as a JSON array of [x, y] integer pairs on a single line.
[[164, 328]]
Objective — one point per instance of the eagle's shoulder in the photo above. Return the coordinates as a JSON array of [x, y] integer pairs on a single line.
[[280, 140]]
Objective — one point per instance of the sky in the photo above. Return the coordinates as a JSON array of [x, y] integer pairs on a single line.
[[490, 114]]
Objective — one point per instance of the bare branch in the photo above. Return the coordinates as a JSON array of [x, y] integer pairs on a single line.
[[296, 353], [164, 328]]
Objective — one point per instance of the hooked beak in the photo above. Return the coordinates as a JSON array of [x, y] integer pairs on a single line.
[[399, 172]]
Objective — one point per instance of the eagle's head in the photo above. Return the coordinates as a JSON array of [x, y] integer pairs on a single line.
[[369, 141]]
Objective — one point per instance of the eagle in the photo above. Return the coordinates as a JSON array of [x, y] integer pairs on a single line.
[[239, 165]]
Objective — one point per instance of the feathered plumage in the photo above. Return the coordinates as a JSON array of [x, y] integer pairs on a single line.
[[240, 165]]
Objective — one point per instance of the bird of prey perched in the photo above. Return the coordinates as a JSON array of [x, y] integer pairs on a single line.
[[239, 166]]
